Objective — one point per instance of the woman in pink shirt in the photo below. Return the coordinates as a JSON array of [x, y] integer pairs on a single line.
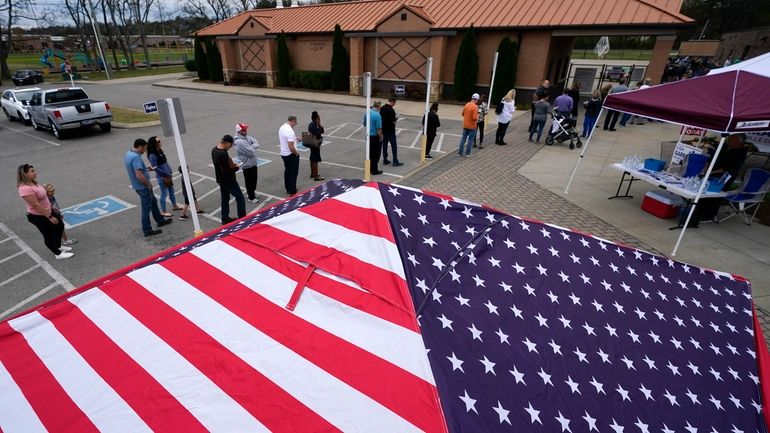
[[39, 211]]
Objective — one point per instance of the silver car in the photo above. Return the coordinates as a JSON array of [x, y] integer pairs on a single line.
[[15, 103]]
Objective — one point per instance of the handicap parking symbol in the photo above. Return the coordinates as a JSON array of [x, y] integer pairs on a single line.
[[93, 210]]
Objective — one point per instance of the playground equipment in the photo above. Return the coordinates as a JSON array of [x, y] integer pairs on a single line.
[[48, 54]]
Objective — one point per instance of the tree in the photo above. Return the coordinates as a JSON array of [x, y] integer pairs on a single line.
[[201, 64], [715, 17], [284, 61], [214, 60], [505, 76], [10, 12], [213, 10], [340, 62], [466, 66]]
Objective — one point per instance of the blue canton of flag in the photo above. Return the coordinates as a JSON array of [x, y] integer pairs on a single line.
[[531, 327]]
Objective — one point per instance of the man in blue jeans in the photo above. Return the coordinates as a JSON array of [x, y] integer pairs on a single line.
[[140, 182], [224, 170]]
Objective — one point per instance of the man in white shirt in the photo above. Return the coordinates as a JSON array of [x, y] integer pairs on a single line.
[[288, 139]]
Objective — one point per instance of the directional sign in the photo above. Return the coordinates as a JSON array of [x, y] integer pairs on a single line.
[[93, 210], [150, 107]]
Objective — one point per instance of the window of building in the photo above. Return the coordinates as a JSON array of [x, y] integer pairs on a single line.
[[403, 17]]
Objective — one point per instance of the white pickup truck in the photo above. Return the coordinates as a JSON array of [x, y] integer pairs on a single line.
[[65, 109]]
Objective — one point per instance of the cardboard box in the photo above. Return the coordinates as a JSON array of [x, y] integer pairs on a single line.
[[662, 204]]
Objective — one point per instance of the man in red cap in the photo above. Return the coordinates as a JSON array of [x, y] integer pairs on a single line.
[[246, 151]]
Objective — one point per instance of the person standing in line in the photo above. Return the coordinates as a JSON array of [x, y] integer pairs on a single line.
[[288, 139], [483, 110], [626, 116], [389, 119], [593, 106], [574, 93], [39, 211], [56, 210], [470, 115], [433, 125], [612, 116], [542, 108], [316, 129], [159, 164], [540, 92], [140, 182], [246, 149], [224, 170], [505, 116], [638, 120], [184, 216], [375, 136]]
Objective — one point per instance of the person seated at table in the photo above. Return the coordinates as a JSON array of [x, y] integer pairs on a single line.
[[730, 160]]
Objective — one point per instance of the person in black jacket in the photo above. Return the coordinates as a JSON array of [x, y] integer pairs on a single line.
[[389, 118], [225, 169], [592, 106], [433, 124]]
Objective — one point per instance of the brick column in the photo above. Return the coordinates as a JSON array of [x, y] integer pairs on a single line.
[[271, 47], [229, 58], [357, 66], [660, 53], [437, 50], [534, 48]]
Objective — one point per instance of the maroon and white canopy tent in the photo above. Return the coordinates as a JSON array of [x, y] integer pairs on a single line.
[[728, 100]]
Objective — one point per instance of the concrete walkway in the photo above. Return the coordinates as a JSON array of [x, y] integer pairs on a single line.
[[528, 180]]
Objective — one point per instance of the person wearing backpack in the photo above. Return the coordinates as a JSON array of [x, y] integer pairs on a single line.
[[504, 111]]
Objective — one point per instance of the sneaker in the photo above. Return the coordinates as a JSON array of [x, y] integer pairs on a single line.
[[429, 156], [386, 161], [177, 207], [166, 214], [459, 154], [152, 233], [69, 242], [227, 220], [64, 255], [467, 155], [200, 211], [397, 164], [63, 248], [183, 218], [165, 222], [254, 200]]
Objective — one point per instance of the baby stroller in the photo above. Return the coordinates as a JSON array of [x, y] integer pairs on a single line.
[[563, 129]]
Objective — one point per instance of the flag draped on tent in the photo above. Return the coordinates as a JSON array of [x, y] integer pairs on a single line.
[[381, 308]]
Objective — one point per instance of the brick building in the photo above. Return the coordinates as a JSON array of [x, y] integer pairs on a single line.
[[744, 45], [393, 38]]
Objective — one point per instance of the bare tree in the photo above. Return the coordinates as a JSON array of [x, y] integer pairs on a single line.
[[77, 10], [215, 10], [121, 16], [10, 12], [141, 10], [109, 32]]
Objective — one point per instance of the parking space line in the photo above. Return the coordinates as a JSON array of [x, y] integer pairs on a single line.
[[11, 257], [355, 132], [19, 275], [336, 128], [414, 142], [440, 142], [29, 299], [7, 239], [59, 278], [21, 131]]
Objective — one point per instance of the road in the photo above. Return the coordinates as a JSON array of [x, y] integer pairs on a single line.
[[91, 182]]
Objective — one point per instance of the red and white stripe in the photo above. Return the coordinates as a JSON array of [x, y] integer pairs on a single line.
[[204, 341]]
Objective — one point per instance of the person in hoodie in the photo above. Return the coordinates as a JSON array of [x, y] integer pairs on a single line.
[[246, 151]]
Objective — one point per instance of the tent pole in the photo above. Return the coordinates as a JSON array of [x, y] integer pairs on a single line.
[[702, 187], [582, 152]]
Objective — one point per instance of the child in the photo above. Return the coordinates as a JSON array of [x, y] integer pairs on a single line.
[[183, 216], [56, 210]]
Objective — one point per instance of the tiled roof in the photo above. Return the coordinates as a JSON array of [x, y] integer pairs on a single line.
[[364, 16]]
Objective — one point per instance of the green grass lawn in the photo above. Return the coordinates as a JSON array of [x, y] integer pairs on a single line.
[[18, 61], [129, 115], [128, 73]]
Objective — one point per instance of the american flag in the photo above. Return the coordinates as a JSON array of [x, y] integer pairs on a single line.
[[377, 308]]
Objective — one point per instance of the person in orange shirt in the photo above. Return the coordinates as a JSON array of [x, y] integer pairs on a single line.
[[470, 122]]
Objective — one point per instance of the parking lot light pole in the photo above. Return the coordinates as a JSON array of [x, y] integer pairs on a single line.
[[367, 127], [424, 139]]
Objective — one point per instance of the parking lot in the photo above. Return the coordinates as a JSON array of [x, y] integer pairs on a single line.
[[102, 210]]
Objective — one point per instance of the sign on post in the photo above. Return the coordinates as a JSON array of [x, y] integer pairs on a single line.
[[399, 89], [165, 117], [150, 107]]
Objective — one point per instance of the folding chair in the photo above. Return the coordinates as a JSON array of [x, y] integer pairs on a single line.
[[756, 183]]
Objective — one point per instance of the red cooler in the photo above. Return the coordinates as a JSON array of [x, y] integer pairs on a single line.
[[662, 204]]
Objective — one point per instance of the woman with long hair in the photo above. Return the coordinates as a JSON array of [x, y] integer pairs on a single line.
[[504, 118], [39, 211], [315, 128], [159, 163]]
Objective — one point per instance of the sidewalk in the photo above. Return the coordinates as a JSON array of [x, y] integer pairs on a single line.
[[528, 180]]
